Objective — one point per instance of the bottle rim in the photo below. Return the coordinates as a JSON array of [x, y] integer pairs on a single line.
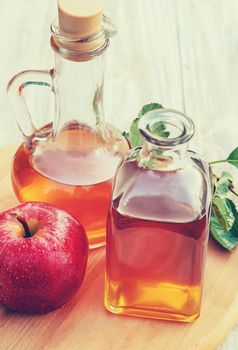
[[177, 127], [90, 46]]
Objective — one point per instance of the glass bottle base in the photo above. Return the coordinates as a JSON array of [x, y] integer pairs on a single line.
[[150, 313], [158, 300]]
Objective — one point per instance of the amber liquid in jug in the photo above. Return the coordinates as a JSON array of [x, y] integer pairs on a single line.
[[157, 234], [76, 179]]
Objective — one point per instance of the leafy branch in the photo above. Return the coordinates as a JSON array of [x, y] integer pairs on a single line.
[[224, 216]]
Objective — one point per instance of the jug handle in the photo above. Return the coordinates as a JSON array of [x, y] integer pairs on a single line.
[[15, 88]]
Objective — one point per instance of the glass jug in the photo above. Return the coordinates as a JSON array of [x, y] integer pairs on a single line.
[[71, 161], [158, 224]]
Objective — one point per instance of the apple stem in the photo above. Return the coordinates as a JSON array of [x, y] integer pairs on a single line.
[[24, 224]]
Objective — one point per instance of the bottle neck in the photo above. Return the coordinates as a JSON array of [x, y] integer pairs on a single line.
[[164, 159], [79, 75], [79, 89], [166, 133]]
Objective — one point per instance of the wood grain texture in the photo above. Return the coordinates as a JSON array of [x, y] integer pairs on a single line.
[[178, 52], [84, 323]]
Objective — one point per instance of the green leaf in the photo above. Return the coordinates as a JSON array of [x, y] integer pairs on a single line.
[[222, 186], [159, 129], [221, 205], [228, 239], [149, 107], [223, 212], [224, 219], [234, 228], [233, 157], [136, 139]]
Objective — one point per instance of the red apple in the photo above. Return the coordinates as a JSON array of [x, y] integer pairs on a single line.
[[43, 257]]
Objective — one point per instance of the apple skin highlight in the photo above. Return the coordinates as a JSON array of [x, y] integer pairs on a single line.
[[39, 274]]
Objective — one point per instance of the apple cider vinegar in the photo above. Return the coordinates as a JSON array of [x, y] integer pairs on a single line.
[[158, 224], [160, 276], [72, 174]]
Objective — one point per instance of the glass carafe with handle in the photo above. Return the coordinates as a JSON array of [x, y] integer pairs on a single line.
[[71, 161]]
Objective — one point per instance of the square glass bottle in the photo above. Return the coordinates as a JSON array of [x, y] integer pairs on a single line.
[[158, 224]]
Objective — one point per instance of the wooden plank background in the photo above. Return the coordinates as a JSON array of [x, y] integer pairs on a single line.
[[182, 53]]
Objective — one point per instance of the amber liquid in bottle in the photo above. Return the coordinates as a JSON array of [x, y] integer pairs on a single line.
[[71, 174], [155, 268]]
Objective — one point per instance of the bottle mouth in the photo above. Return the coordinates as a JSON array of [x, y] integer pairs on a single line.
[[73, 47], [166, 127]]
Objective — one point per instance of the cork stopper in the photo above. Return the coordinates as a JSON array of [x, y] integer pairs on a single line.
[[80, 18]]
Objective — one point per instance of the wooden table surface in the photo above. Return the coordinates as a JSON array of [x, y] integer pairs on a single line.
[[182, 53]]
